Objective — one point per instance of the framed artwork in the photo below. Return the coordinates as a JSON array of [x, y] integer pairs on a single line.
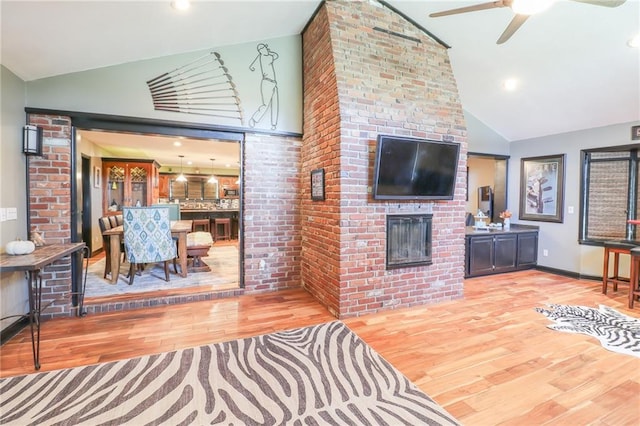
[[97, 177], [635, 133], [317, 185], [542, 188]]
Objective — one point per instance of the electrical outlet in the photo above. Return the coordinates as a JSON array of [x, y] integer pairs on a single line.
[[545, 252], [570, 209]]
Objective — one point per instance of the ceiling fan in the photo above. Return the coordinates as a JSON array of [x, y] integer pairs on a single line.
[[522, 8]]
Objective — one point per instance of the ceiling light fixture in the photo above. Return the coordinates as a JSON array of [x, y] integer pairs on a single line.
[[181, 177], [510, 84], [634, 42], [181, 4], [530, 7], [212, 179]]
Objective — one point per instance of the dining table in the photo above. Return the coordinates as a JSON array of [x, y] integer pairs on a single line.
[[179, 230]]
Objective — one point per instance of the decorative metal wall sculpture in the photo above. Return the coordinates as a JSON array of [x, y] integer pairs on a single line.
[[268, 86], [201, 87]]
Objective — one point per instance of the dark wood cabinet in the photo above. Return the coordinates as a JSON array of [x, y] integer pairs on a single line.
[[128, 183], [493, 253]]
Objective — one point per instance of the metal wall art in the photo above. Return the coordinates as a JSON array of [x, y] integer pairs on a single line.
[[201, 87]]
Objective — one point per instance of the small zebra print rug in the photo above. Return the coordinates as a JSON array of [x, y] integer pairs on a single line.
[[617, 332], [317, 375]]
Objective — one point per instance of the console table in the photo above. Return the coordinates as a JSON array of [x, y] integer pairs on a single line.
[[32, 264]]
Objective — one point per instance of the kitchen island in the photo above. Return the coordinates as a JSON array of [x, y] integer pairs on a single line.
[[497, 250], [211, 214]]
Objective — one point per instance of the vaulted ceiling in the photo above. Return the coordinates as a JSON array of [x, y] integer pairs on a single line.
[[572, 62]]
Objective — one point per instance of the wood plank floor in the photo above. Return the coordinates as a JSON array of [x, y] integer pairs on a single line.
[[489, 359]]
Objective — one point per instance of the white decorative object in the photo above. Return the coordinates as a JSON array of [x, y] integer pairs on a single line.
[[19, 247], [507, 223]]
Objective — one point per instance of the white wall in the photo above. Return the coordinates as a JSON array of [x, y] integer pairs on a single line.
[[561, 239], [13, 288], [483, 140]]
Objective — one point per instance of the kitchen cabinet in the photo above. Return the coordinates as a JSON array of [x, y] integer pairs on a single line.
[[494, 252], [163, 186], [228, 187], [127, 182]]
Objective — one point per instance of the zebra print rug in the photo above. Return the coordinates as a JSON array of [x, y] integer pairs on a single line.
[[317, 375], [617, 332]]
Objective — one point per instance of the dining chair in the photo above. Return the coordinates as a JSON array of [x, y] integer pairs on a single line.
[[147, 238], [105, 224]]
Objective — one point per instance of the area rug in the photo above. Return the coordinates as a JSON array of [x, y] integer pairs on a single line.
[[617, 332], [222, 260], [324, 374]]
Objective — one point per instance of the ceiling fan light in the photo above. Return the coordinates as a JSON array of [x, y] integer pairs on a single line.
[[530, 7]]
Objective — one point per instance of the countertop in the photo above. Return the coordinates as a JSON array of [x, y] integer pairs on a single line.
[[514, 229], [208, 210]]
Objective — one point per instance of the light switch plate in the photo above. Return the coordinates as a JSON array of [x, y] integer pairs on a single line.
[[12, 213], [3, 214]]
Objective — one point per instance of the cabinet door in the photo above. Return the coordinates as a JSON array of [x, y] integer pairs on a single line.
[[505, 252], [163, 191], [480, 251], [527, 250], [139, 185]]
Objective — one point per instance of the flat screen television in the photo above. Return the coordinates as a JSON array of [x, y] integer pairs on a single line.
[[415, 169]]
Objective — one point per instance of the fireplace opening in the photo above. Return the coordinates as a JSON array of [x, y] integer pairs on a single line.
[[408, 240]]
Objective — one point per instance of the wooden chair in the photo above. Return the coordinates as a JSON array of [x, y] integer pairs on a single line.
[[225, 225], [105, 224], [147, 238], [634, 286], [616, 248], [196, 224]]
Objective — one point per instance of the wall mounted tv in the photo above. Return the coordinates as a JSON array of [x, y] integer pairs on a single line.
[[415, 169]]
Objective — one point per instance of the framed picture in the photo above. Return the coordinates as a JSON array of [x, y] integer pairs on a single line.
[[317, 185], [542, 188], [635, 133], [97, 177]]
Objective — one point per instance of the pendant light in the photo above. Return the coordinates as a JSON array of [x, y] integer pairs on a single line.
[[181, 177], [212, 179]]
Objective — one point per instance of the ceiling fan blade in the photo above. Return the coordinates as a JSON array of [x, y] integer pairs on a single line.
[[513, 26], [606, 3], [483, 6]]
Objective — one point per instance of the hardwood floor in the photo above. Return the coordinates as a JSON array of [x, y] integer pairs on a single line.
[[489, 359]]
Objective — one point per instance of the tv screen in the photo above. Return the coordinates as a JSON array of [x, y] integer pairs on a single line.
[[415, 169]]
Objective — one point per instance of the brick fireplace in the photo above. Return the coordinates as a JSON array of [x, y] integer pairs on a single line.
[[368, 71]]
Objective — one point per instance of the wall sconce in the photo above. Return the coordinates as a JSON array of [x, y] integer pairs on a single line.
[[32, 140]]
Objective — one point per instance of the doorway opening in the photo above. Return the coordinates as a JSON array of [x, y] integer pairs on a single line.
[[487, 184], [207, 157]]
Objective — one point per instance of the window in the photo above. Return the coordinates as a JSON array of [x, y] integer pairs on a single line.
[[609, 194]]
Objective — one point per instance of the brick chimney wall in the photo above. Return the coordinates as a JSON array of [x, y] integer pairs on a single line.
[[359, 83]]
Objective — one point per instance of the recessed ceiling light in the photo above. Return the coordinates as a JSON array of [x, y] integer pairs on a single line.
[[189, 163], [177, 143], [181, 4], [635, 41], [510, 84]]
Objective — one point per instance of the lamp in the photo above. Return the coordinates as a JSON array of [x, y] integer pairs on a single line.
[[32, 140], [181, 177], [212, 179]]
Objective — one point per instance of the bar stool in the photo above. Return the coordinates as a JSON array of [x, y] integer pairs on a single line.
[[634, 287], [196, 223], [617, 248], [225, 224]]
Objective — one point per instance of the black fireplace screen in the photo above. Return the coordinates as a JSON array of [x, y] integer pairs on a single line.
[[408, 240]]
